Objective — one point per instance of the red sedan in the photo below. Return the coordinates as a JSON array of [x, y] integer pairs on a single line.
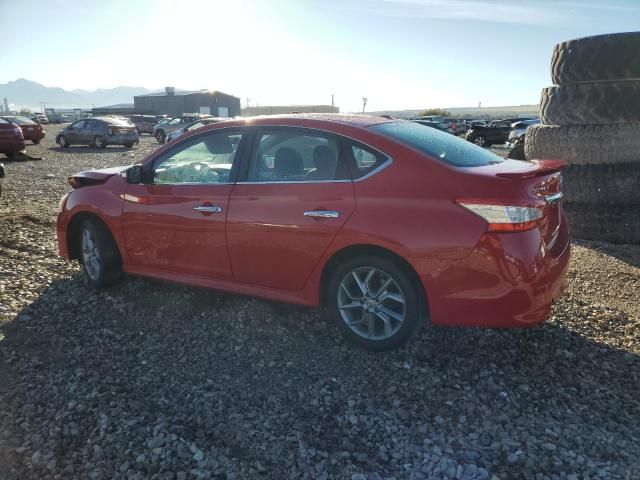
[[11, 138], [30, 130], [388, 223]]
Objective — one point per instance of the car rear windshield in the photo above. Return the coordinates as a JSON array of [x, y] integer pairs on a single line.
[[23, 121], [437, 144]]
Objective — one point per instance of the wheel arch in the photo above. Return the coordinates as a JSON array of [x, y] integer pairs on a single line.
[[367, 250], [73, 231]]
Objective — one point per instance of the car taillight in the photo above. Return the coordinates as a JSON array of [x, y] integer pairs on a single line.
[[505, 217], [550, 188]]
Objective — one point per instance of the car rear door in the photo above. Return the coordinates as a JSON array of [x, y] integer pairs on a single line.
[[294, 197], [74, 131], [175, 221]]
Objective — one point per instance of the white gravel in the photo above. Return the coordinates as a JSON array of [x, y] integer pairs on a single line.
[[154, 380]]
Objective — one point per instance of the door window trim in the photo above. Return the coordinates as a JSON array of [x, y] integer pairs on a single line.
[[238, 160]]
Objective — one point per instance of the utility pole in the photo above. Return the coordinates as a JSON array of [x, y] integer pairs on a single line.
[[42, 105], [332, 105], [364, 103]]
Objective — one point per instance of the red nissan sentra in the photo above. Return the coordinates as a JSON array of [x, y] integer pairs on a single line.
[[390, 224]]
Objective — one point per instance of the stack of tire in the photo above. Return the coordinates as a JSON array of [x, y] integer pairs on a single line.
[[591, 120]]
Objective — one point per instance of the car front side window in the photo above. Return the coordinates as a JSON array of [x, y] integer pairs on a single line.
[[205, 160]]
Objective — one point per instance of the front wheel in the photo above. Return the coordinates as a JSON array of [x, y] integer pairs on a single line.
[[480, 141], [376, 303], [128, 145], [35, 141], [62, 141], [99, 142], [100, 257], [160, 136]]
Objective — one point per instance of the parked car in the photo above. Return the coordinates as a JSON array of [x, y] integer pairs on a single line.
[[163, 129], [518, 129], [442, 126], [11, 138], [98, 132], [388, 223], [493, 133], [40, 118], [193, 126], [30, 130], [1, 176], [144, 123]]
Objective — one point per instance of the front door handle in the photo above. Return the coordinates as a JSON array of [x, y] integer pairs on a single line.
[[208, 208], [322, 214]]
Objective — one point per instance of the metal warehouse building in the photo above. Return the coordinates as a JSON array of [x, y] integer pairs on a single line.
[[172, 102]]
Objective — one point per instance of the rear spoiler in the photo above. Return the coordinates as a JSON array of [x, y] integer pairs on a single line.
[[535, 168]]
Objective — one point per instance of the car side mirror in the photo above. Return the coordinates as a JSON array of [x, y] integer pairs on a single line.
[[134, 174]]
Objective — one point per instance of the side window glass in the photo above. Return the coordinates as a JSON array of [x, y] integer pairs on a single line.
[[79, 125], [365, 160], [206, 160], [295, 156]]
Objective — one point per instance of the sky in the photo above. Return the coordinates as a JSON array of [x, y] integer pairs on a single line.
[[399, 54]]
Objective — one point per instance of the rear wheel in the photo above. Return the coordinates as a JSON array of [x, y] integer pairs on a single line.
[[100, 257], [128, 145], [376, 303], [35, 141], [160, 136]]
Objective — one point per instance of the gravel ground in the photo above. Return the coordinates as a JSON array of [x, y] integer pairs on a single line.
[[153, 380]]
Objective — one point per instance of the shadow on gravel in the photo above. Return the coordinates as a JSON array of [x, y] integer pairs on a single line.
[[149, 377], [79, 149], [623, 252]]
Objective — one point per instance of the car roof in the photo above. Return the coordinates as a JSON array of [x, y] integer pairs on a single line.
[[310, 120]]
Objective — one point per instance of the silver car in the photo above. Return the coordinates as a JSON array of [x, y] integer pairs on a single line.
[[193, 126], [163, 129]]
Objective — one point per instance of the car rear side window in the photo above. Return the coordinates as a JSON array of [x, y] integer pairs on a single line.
[[364, 159], [439, 145], [291, 155]]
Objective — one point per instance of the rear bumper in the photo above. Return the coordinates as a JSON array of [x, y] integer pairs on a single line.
[[12, 146], [508, 280]]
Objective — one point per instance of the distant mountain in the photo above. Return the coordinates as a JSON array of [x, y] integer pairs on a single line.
[[25, 93]]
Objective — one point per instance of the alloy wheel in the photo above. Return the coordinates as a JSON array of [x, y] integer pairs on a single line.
[[480, 141], [90, 254], [98, 142], [371, 303]]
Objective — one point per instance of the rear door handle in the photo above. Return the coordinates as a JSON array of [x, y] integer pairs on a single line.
[[207, 208], [322, 213]]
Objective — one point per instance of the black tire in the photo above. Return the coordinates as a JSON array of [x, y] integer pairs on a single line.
[[62, 141], [36, 142], [517, 152], [596, 59], [110, 263], [591, 103], [99, 142], [602, 184], [128, 145], [615, 224], [415, 304], [584, 144], [160, 136], [479, 140]]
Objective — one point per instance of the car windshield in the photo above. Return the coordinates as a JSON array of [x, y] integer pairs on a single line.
[[437, 144]]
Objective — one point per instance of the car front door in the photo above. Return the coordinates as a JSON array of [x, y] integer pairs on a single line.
[[292, 201], [73, 131], [175, 221]]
